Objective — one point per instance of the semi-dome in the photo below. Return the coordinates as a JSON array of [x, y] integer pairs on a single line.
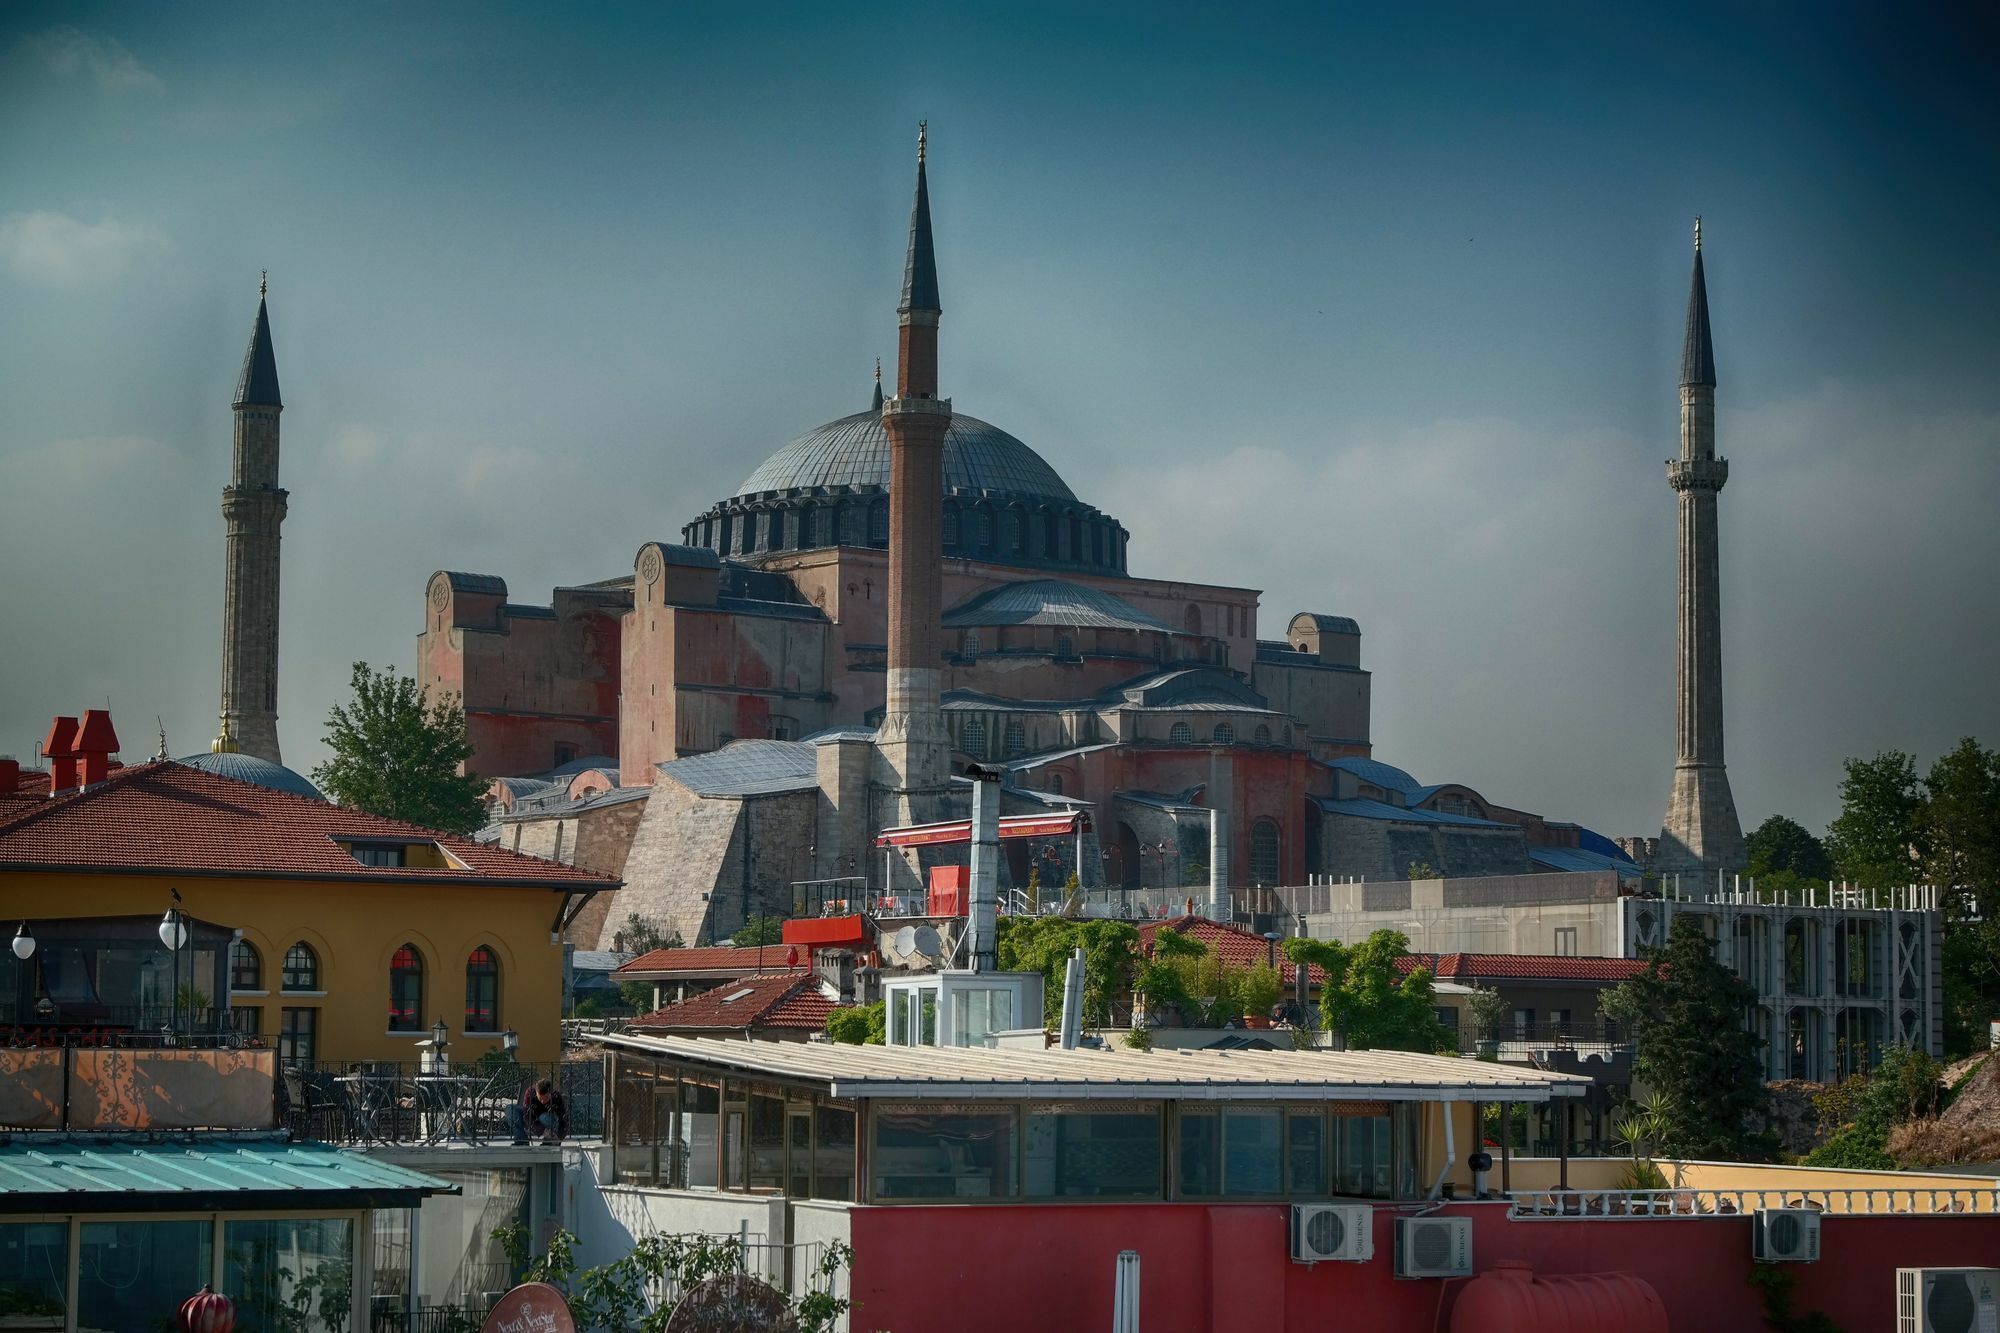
[[249, 768], [854, 451], [1003, 503]]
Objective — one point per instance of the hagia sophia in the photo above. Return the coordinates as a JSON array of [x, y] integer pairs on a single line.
[[820, 655]]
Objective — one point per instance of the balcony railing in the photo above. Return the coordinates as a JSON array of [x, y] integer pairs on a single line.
[[1602, 1205], [413, 1104]]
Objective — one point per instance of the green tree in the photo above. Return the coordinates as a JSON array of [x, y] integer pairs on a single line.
[[1960, 822], [643, 934], [1878, 839], [1043, 944], [395, 755], [1781, 844], [1686, 1012], [1907, 1084], [860, 1025], [759, 930], [1366, 1001]]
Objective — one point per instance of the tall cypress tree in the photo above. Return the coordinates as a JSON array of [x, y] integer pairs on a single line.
[[1686, 1011]]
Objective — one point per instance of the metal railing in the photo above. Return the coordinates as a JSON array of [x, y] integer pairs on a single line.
[[1611, 1205], [397, 1103], [427, 1319], [112, 1024]]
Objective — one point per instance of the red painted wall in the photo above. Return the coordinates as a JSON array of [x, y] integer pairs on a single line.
[[1226, 1269]]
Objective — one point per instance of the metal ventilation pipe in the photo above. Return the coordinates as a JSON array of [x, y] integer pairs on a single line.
[[1072, 1005], [1125, 1294], [980, 927]]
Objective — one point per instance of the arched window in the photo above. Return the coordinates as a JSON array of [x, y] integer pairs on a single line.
[[968, 643], [1051, 536], [728, 535], [878, 524], [808, 527], [776, 538], [1017, 532], [1265, 852], [1180, 733], [950, 527], [1017, 739], [1192, 619], [1225, 734], [1263, 734], [853, 521], [482, 991], [747, 534], [301, 967], [406, 990], [983, 529], [1065, 645], [1055, 784], [246, 967], [972, 737]]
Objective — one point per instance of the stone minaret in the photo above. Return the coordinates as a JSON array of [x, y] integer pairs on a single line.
[[253, 507], [1702, 833], [912, 736]]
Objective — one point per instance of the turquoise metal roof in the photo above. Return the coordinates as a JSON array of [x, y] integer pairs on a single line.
[[106, 1175], [1362, 808]]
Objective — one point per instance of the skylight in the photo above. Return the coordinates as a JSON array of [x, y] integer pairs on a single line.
[[734, 996]]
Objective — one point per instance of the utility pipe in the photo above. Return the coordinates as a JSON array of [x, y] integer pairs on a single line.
[[1450, 1154]]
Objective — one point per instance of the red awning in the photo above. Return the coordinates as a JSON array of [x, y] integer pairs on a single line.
[[960, 830]]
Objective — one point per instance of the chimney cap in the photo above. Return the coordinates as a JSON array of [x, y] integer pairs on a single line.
[[61, 743], [96, 735]]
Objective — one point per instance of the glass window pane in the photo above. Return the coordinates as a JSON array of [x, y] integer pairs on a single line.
[[1250, 1157], [767, 1143], [930, 1152], [632, 1120], [927, 1019], [1099, 1154], [34, 1274], [1305, 1153], [389, 1237], [288, 1273], [1200, 1155], [1362, 1162], [122, 1267], [798, 1155], [833, 1153], [695, 1141]]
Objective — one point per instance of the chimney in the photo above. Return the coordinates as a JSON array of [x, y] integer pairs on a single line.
[[60, 750], [10, 775], [95, 743], [980, 923]]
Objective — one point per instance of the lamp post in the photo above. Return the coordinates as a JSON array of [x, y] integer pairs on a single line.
[[510, 1042], [24, 943], [439, 1032], [173, 934]]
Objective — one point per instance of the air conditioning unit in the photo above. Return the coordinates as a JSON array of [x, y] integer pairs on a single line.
[[1332, 1232], [1785, 1235], [1947, 1300], [1433, 1247]]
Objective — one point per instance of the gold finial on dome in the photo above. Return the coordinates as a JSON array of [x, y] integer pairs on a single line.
[[224, 743]]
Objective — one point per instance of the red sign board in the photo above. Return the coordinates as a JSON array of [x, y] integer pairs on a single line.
[[532, 1307]]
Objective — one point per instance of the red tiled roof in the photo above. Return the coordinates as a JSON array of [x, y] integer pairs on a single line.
[[1230, 943], [31, 786], [736, 961], [165, 816], [777, 1000], [1467, 968]]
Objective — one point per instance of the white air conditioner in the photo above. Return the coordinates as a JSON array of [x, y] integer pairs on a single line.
[[1336, 1232], [1785, 1235], [1433, 1247], [1947, 1300]]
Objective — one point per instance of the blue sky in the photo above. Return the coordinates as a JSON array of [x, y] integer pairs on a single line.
[[1375, 309]]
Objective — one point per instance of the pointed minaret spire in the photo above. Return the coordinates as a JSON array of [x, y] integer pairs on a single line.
[[1698, 352], [257, 386], [920, 284], [876, 406]]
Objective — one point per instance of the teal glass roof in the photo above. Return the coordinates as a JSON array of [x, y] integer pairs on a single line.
[[108, 1175]]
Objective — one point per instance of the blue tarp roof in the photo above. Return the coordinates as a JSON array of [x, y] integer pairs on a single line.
[[106, 1175]]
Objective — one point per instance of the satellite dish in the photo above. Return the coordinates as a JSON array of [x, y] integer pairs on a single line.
[[905, 942], [923, 939]]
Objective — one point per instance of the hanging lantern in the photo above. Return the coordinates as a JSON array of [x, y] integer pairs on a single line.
[[207, 1311]]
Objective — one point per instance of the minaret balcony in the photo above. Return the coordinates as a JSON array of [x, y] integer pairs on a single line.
[[936, 407], [1697, 474]]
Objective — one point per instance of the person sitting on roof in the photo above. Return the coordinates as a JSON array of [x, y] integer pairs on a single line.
[[542, 1108]]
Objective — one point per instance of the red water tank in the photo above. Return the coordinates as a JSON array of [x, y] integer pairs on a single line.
[[1509, 1298]]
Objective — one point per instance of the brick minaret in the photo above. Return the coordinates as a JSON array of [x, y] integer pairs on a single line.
[[253, 507], [912, 736], [1702, 833]]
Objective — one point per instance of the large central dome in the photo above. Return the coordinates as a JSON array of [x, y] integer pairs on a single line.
[[854, 451]]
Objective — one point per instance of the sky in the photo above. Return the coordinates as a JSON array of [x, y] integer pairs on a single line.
[[1375, 308]]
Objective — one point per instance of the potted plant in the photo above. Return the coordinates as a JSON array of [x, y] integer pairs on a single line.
[[1485, 1008], [1258, 990]]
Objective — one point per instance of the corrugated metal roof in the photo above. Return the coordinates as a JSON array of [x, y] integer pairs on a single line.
[[1010, 1074], [748, 768], [250, 768], [103, 1175], [1581, 859], [1373, 771], [1050, 602]]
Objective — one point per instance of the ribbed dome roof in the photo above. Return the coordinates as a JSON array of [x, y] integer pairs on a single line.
[[249, 768], [854, 451]]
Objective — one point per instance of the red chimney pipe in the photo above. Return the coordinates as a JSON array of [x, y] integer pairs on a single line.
[[60, 750], [95, 743], [10, 776]]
